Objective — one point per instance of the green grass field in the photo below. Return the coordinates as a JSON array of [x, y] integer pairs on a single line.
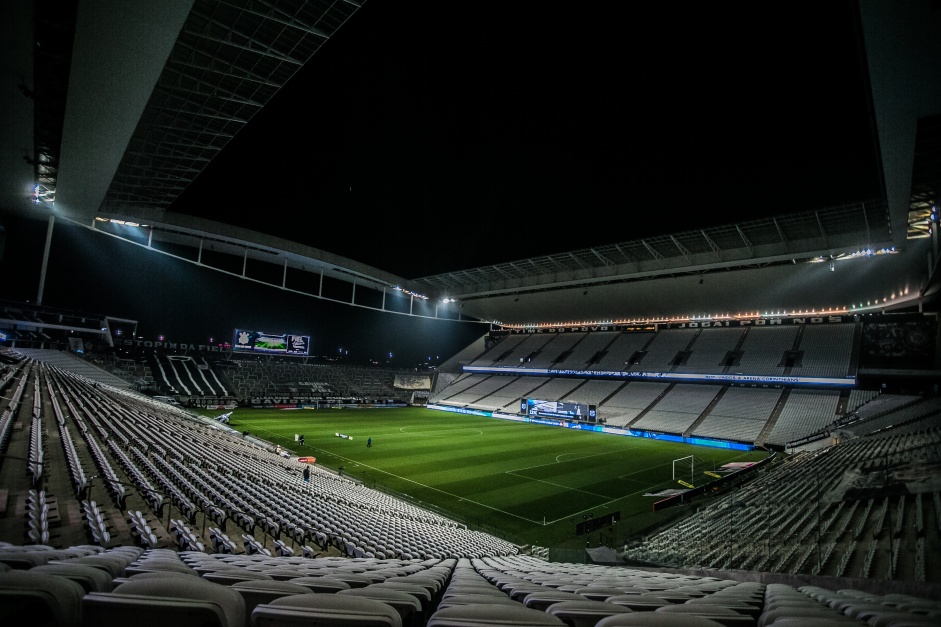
[[525, 482]]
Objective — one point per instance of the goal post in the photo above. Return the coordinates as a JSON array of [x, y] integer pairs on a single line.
[[683, 469], [687, 469]]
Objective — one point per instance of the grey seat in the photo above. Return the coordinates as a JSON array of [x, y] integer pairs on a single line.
[[25, 559], [821, 611], [723, 615], [638, 602], [518, 590], [421, 593], [317, 608], [475, 599], [406, 604], [159, 564], [258, 591], [433, 584], [492, 614], [321, 584], [542, 599], [813, 622], [90, 578], [599, 593], [230, 576], [28, 598], [585, 613], [739, 604], [281, 573], [675, 597], [467, 588], [173, 599], [656, 619], [114, 564], [891, 617], [353, 580]]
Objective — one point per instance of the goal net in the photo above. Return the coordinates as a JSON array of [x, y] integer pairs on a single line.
[[691, 471]]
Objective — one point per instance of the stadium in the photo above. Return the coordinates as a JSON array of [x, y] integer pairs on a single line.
[[735, 423]]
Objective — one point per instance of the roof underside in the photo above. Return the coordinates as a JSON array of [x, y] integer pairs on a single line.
[[226, 64], [829, 232]]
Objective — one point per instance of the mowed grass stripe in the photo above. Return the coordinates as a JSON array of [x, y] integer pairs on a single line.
[[502, 474]]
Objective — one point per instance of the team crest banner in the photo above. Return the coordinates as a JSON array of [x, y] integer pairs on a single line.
[[409, 382]]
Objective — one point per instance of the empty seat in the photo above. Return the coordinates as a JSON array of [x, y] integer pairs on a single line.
[[739, 604], [281, 573], [321, 584], [656, 619], [113, 564], [542, 599], [518, 592], [475, 599], [821, 611], [421, 593], [638, 602], [317, 608], [892, 617], [169, 599], [585, 613], [492, 614], [229, 576], [258, 591], [722, 615], [598, 593], [472, 588], [28, 598], [25, 559], [353, 580], [161, 564], [90, 578], [407, 605]]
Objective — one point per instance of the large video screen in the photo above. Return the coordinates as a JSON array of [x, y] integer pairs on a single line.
[[276, 343], [558, 409]]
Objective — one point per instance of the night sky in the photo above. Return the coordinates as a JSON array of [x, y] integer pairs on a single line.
[[428, 137], [423, 140]]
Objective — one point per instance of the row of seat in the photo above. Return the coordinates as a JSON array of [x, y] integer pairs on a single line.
[[201, 468], [95, 523], [128, 584], [37, 517], [141, 530]]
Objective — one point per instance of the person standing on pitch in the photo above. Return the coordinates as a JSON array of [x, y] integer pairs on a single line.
[[368, 442]]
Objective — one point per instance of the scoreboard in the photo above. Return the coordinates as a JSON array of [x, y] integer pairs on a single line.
[[592, 524], [558, 409], [276, 343]]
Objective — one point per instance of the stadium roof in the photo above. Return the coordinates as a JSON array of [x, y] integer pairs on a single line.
[[118, 136]]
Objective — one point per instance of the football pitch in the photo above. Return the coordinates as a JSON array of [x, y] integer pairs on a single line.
[[527, 483]]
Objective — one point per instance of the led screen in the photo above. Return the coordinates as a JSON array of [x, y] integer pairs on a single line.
[[277, 343]]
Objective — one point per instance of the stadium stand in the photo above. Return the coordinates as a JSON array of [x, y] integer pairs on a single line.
[[117, 508]]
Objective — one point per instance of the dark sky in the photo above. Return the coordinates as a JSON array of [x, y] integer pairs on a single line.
[[426, 137]]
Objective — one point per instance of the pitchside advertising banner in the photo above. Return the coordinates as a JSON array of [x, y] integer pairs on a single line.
[[271, 343]]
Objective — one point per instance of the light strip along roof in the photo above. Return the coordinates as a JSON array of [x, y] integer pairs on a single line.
[[761, 241]]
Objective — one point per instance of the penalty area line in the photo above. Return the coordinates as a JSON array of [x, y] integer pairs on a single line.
[[440, 491]]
